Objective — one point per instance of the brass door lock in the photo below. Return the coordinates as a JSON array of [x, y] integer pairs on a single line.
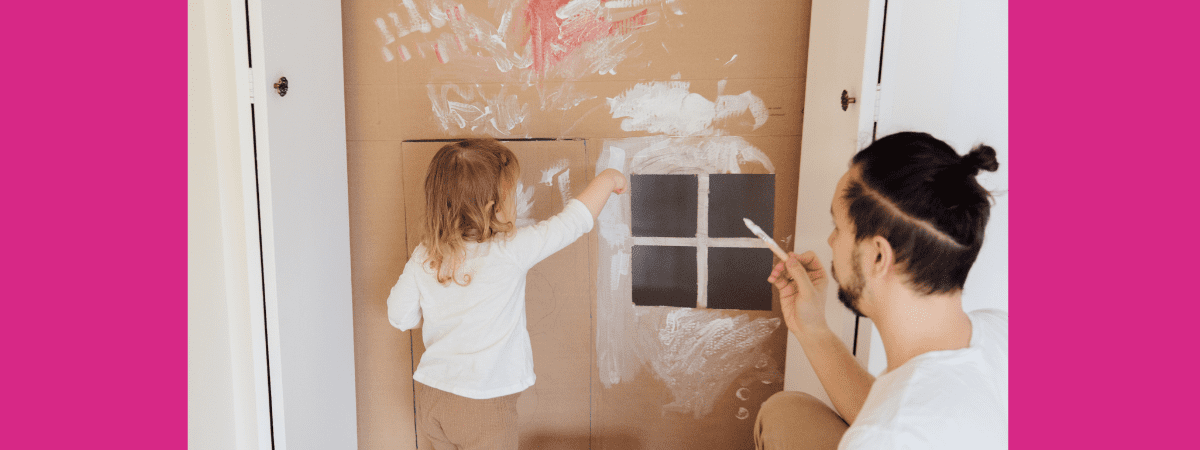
[[281, 87], [846, 99]]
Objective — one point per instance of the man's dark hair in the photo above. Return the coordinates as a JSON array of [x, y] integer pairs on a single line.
[[915, 191]]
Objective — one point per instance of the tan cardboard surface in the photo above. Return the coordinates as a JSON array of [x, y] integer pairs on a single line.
[[382, 359], [721, 53]]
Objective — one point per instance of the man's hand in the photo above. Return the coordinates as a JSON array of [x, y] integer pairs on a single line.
[[801, 282]]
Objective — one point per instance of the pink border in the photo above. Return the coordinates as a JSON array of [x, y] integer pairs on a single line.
[[94, 185], [1104, 224]]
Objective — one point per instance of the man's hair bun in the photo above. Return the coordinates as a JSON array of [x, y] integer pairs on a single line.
[[979, 158]]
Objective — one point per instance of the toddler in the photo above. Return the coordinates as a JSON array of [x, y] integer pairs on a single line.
[[466, 281]]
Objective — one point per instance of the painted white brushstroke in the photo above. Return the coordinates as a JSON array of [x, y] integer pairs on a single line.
[[437, 16], [730, 105], [442, 49], [730, 60], [401, 30], [404, 54], [387, 34], [548, 174], [577, 7], [564, 98], [742, 413], [473, 109], [616, 350], [414, 17], [620, 268], [616, 159], [671, 108], [614, 228], [667, 108], [720, 154], [742, 394], [505, 21], [678, 76], [564, 186], [524, 205], [614, 4], [387, 55], [698, 353]]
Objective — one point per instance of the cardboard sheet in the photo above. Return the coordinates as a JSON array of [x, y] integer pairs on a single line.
[[688, 76]]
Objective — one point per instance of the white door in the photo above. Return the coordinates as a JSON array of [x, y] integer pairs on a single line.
[[300, 162], [843, 55]]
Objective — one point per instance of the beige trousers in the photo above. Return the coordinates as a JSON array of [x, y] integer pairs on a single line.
[[452, 422], [795, 420]]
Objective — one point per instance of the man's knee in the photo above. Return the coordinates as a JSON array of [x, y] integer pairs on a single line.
[[789, 403], [795, 420]]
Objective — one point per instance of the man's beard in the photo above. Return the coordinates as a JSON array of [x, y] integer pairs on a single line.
[[851, 292]]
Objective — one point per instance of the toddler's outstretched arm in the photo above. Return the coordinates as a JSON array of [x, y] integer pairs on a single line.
[[595, 195]]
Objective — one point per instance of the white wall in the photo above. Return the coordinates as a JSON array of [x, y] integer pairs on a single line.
[[945, 72], [222, 407]]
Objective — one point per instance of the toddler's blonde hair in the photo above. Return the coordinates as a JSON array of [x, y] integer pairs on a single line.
[[467, 184]]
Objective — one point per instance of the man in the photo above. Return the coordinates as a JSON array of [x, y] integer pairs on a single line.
[[909, 220]]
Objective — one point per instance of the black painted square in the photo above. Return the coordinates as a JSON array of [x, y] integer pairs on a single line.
[[664, 205], [737, 278], [734, 196], [664, 276]]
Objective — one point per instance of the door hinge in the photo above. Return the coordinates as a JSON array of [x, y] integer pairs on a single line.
[[878, 89]]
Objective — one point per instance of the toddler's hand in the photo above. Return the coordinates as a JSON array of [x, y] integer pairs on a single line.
[[618, 179]]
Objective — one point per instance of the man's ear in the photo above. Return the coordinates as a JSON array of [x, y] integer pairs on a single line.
[[882, 257]]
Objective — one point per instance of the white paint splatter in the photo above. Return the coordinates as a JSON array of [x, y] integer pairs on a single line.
[[743, 413], [730, 60], [742, 394], [548, 174], [670, 108]]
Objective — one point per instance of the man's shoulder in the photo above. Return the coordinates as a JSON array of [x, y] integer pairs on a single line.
[[931, 408], [990, 316]]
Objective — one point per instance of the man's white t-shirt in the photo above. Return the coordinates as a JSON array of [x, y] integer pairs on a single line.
[[476, 342], [952, 399]]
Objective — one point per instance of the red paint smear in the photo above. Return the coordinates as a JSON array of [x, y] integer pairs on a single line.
[[553, 39]]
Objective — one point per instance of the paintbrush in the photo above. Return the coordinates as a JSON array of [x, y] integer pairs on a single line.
[[770, 242]]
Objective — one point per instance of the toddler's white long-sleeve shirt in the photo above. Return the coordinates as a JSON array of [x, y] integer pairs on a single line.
[[476, 340]]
